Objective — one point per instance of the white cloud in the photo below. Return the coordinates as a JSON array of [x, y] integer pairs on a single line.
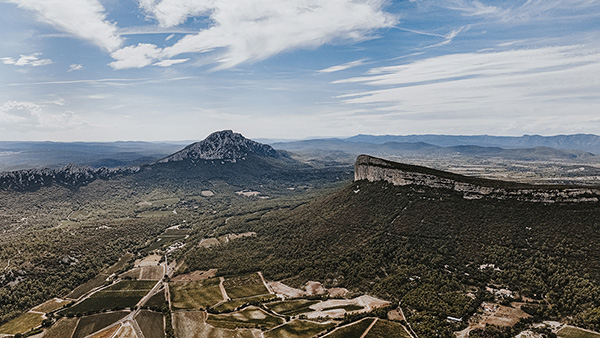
[[26, 60], [253, 30], [138, 56], [344, 66], [168, 63], [537, 85], [29, 115], [75, 67], [171, 13], [84, 19]]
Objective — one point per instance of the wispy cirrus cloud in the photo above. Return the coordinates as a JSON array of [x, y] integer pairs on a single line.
[[515, 11], [252, 30], [85, 19], [534, 84], [343, 66], [26, 60]]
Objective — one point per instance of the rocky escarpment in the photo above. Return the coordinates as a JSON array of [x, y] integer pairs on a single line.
[[375, 169], [69, 176], [222, 145]]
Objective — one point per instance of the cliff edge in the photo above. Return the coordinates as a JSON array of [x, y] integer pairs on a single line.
[[375, 169]]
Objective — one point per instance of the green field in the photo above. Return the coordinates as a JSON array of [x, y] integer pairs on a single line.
[[93, 323], [291, 307], [250, 317], [234, 304], [385, 328], [151, 323], [195, 295], [22, 324], [298, 329], [573, 332], [354, 330]]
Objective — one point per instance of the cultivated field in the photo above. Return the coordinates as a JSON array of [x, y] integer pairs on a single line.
[[154, 273], [22, 324], [106, 300], [126, 331], [151, 323], [131, 285], [195, 276], [353, 330], [298, 329], [51, 305], [385, 328], [195, 295], [108, 333], [90, 324], [574, 332], [64, 327], [157, 300], [100, 279], [191, 324], [236, 303], [291, 307], [250, 317], [245, 286], [86, 287]]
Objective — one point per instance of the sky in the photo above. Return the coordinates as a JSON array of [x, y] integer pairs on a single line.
[[160, 70]]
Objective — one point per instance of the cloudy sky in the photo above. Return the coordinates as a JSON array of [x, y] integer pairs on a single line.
[[105, 70]]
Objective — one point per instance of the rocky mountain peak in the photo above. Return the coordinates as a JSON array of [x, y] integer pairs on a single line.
[[222, 145]]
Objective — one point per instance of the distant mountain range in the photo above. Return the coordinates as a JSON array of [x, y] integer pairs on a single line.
[[394, 148]]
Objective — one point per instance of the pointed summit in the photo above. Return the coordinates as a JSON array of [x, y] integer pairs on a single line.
[[222, 145]]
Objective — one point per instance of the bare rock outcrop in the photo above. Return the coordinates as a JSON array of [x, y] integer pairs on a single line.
[[222, 145]]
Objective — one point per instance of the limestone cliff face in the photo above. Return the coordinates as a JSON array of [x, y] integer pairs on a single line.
[[375, 169]]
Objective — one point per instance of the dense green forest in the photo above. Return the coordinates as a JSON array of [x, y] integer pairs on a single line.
[[425, 247]]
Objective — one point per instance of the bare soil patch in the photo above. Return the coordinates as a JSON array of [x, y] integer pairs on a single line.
[[152, 273], [126, 331], [108, 333], [151, 260], [288, 291], [501, 315], [314, 288], [337, 292]]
